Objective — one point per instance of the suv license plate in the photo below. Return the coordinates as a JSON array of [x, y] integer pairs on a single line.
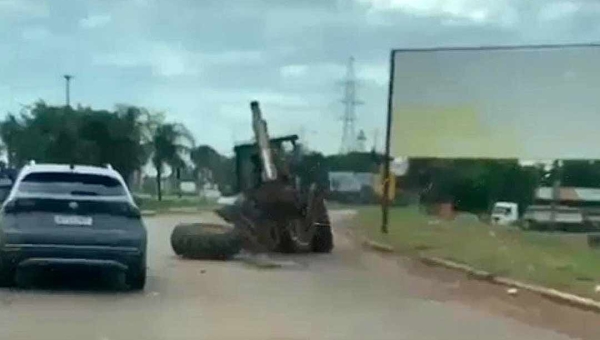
[[73, 220]]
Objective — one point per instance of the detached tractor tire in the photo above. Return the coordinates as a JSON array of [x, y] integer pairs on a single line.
[[205, 241]]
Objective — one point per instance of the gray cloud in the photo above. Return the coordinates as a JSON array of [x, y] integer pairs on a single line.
[[202, 61]]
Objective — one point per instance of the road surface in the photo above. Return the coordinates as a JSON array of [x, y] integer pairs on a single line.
[[350, 294]]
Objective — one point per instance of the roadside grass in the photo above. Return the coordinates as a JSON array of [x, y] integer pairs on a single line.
[[169, 203], [334, 205], [554, 260]]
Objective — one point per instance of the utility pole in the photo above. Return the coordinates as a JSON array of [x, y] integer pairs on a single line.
[[385, 204], [68, 78]]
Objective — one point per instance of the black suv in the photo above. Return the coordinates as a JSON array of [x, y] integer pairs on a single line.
[[78, 216]]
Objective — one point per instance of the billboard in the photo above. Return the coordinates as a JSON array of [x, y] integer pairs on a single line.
[[526, 102]]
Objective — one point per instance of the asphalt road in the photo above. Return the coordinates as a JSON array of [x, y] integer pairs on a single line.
[[349, 294]]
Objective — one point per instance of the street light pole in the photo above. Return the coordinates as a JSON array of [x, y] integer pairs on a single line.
[[68, 89]]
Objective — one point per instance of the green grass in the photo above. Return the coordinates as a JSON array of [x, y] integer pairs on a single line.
[[170, 202], [553, 260]]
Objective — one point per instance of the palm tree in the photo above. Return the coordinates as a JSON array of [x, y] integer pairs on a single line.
[[169, 144]]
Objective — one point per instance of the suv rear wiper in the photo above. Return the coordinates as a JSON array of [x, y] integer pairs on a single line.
[[84, 193]]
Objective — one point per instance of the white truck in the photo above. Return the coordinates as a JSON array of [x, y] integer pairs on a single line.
[[505, 213], [575, 209]]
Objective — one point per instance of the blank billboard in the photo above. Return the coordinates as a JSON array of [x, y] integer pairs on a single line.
[[536, 102]]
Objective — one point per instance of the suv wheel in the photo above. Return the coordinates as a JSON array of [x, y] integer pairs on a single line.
[[7, 276], [136, 277]]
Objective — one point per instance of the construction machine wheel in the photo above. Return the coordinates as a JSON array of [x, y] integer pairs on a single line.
[[323, 240], [296, 236], [269, 235], [205, 241]]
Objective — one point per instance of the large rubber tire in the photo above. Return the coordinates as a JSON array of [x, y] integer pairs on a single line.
[[323, 240], [177, 241], [205, 241]]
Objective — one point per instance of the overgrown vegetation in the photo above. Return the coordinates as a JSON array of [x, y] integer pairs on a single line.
[[127, 138], [54, 134], [551, 259], [474, 185]]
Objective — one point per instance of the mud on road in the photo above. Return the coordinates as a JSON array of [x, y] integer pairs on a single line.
[[349, 294]]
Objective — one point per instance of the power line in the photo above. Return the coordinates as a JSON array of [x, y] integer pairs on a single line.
[[349, 141]]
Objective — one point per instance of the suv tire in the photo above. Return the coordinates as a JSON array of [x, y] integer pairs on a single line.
[[136, 277]]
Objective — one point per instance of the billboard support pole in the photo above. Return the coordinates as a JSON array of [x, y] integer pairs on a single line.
[[385, 204], [556, 178]]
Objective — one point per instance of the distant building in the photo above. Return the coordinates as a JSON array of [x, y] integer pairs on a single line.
[[352, 187]]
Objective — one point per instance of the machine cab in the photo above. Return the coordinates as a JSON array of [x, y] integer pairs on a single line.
[[248, 163]]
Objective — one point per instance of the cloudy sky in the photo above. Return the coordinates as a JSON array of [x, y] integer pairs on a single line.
[[203, 61]]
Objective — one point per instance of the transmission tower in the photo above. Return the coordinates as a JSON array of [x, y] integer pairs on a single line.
[[375, 140], [350, 102], [361, 141]]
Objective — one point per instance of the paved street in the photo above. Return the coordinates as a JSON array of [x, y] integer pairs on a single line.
[[350, 294]]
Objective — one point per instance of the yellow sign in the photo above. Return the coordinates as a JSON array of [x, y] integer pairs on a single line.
[[380, 185]]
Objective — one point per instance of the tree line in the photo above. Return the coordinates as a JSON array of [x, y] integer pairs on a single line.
[[127, 138], [130, 137]]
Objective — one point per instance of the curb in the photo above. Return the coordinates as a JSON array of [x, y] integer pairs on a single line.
[[549, 293], [478, 274], [553, 294], [183, 210], [384, 248], [148, 212]]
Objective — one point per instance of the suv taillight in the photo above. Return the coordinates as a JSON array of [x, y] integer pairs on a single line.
[[133, 211]]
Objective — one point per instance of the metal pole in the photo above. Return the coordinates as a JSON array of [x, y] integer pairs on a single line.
[[385, 204], [556, 179], [68, 89]]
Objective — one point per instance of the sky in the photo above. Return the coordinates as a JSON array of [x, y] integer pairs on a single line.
[[202, 62]]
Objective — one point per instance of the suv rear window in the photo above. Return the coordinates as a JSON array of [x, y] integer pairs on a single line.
[[61, 183]]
